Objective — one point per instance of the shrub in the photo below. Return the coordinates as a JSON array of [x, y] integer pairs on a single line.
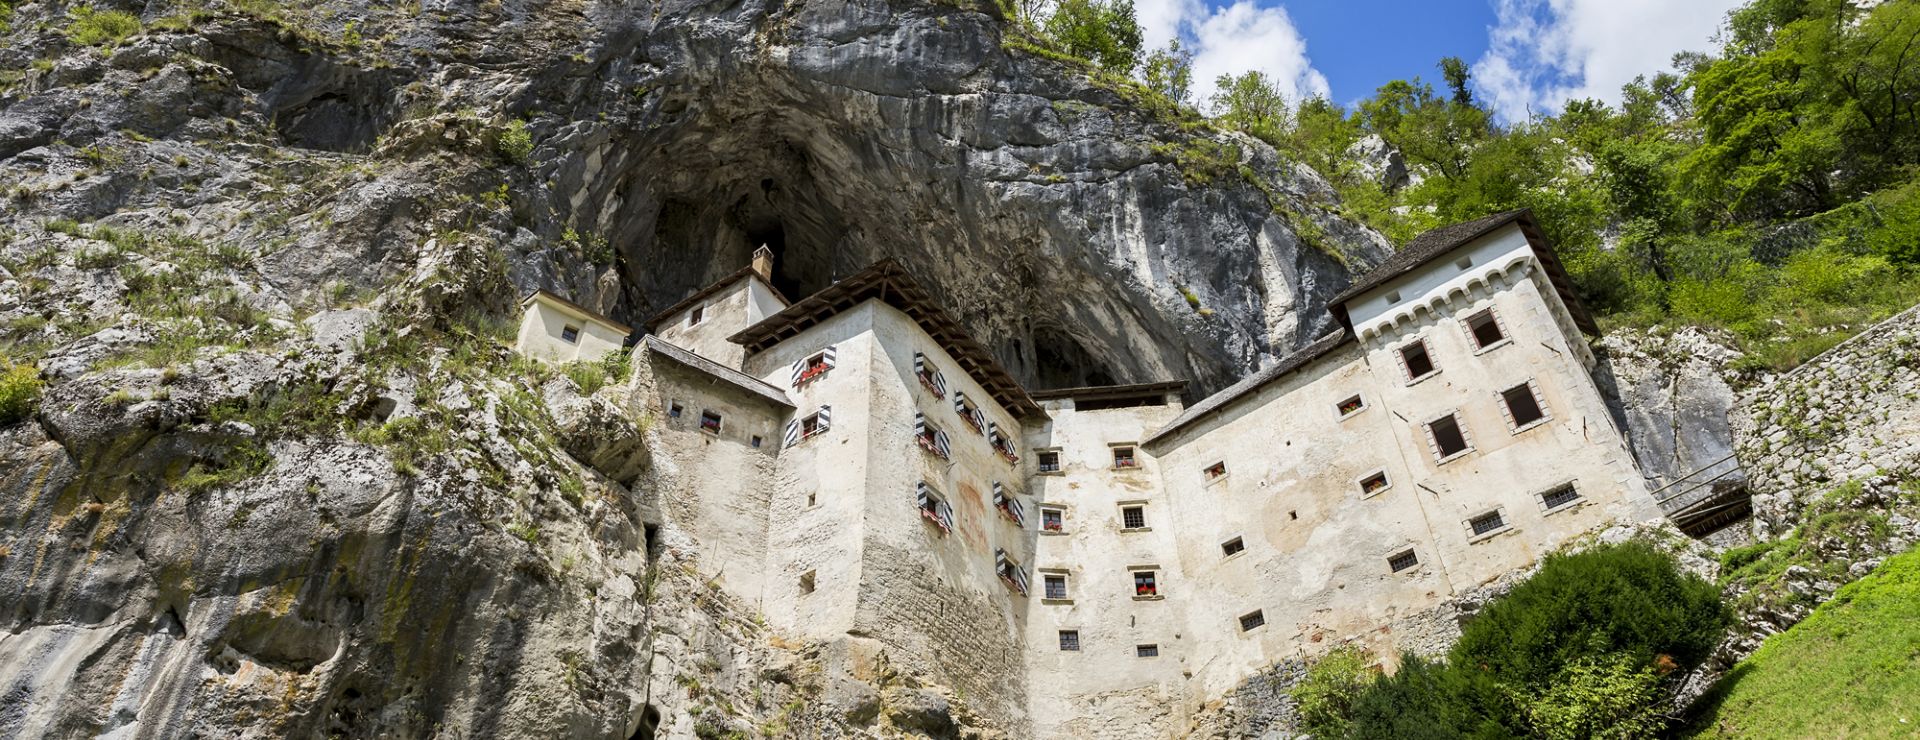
[[19, 393], [92, 27], [516, 144], [1599, 698], [1616, 599], [1324, 699], [1432, 699]]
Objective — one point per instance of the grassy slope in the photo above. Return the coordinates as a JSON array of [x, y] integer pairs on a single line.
[[1850, 670]]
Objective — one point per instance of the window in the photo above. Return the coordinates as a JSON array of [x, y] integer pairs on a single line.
[[1293, 516], [756, 440], [1216, 471], [933, 509], [696, 315], [1010, 572], [1374, 483], [1523, 408], [1448, 438], [1049, 460], [1133, 517], [1123, 457], [1413, 357], [928, 376], [570, 334], [1402, 560], [930, 438], [1249, 621], [969, 413], [675, 409], [1560, 496], [806, 582], [1008, 505], [1463, 263], [1393, 298], [813, 498], [1145, 584], [1488, 522], [1070, 640], [1056, 585], [1351, 406], [709, 421], [1232, 547], [809, 426], [1146, 651], [812, 367], [1053, 520], [1485, 329], [1001, 445]]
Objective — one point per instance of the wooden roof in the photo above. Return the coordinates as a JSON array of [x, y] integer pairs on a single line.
[[888, 282], [1113, 392]]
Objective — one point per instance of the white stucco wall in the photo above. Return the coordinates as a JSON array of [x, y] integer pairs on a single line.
[[543, 322], [741, 304]]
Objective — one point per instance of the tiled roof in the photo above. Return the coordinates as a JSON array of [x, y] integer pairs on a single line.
[[1319, 348]]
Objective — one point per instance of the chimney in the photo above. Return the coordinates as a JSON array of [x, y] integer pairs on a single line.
[[763, 263]]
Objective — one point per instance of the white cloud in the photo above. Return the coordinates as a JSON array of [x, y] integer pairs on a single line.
[[1238, 38], [1544, 53]]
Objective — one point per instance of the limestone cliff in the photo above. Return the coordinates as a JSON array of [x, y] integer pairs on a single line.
[[285, 481]]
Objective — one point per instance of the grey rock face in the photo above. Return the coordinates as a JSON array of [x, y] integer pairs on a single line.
[[1380, 162], [1672, 396]]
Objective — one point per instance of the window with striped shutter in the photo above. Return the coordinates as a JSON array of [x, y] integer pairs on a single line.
[[1008, 504], [929, 377], [813, 366], [930, 438], [1000, 443], [968, 413], [932, 508], [1011, 572]]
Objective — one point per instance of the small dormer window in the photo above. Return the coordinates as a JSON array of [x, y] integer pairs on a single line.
[[570, 334], [698, 314]]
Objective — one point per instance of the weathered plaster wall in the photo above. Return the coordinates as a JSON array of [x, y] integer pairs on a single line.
[[1848, 413], [738, 306], [540, 331]]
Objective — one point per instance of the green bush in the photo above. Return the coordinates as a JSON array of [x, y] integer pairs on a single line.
[[1626, 599], [19, 394], [92, 27], [1324, 699], [1604, 698], [1432, 699], [516, 144]]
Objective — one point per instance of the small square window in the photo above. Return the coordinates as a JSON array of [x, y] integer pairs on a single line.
[[1351, 406], [1053, 520], [1216, 471], [1414, 357], [1249, 621], [709, 421], [570, 334], [1056, 586], [698, 314], [1463, 263], [1070, 640], [1393, 297], [1560, 496], [813, 498], [806, 582], [1146, 651], [1123, 458], [1233, 547], [1485, 329], [1448, 438], [1145, 583], [1402, 560], [1487, 522], [756, 440], [674, 410], [1133, 517], [1048, 460], [1374, 483], [1522, 407], [1293, 516]]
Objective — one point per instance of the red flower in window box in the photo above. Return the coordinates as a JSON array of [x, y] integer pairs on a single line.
[[1054, 527], [972, 422], [811, 373], [1008, 454], [927, 380], [1144, 590]]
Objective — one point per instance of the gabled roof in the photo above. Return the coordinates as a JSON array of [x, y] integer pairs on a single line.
[[707, 292], [1435, 244], [576, 308], [887, 281], [1298, 359], [726, 374]]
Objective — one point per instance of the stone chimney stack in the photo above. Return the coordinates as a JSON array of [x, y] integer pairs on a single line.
[[763, 263]]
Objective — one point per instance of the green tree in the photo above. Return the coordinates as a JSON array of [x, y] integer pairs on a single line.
[[1252, 102], [1101, 31], [1169, 72], [1457, 74]]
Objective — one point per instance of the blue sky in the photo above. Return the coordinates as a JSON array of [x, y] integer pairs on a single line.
[[1528, 56]]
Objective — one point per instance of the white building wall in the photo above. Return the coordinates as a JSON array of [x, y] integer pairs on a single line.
[[740, 305], [543, 323]]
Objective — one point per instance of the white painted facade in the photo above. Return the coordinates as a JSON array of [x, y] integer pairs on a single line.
[[1265, 539], [556, 330]]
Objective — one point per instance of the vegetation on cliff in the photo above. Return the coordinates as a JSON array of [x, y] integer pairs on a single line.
[[1582, 649], [1849, 670], [1769, 187]]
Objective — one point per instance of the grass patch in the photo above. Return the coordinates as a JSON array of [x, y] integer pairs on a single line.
[[19, 393], [91, 27], [1852, 669]]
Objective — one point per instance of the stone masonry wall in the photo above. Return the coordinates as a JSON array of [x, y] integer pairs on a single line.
[[1848, 413]]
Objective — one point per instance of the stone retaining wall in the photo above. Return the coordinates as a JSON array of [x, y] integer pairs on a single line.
[[1851, 412]]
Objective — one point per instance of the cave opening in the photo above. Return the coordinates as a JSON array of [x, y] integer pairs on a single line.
[[1060, 361]]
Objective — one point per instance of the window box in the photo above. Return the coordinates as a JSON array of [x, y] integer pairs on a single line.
[[933, 509], [709, 422], [1350, 406], [813, 367]]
